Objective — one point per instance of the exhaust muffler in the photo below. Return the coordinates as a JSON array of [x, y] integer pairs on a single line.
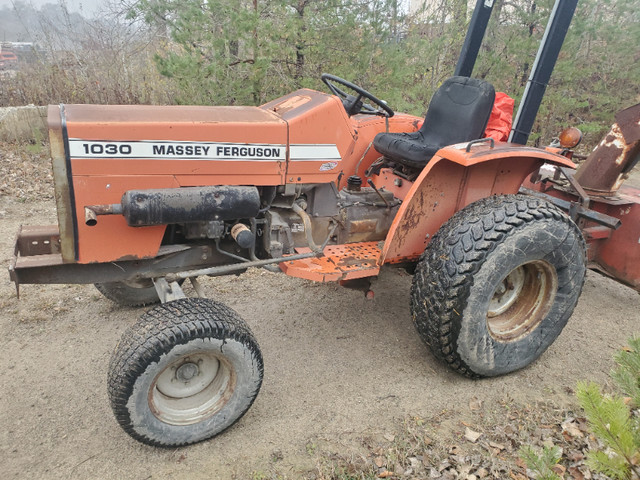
[[144, 208]]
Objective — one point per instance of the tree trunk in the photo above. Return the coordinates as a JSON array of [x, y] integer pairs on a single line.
[[300, 44]]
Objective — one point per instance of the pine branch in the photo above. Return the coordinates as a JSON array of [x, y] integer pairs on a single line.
[[609, 419]]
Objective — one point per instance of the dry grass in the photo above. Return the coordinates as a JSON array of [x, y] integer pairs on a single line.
[[89, 76], [438, 447], [25, 172], [105, 61]]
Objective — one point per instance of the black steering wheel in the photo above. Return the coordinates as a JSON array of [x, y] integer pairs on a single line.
[[353, 104]]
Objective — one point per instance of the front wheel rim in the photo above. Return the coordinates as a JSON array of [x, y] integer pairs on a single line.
[[521, 300], [192, 388]]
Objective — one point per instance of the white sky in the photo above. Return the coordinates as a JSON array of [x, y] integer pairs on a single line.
[[88, 7]]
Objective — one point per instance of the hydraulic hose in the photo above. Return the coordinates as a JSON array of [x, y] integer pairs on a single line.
[[307, 227]]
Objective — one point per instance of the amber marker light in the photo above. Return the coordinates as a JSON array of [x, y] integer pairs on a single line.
[[570, 137]]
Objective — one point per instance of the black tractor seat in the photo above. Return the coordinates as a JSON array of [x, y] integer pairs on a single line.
[[458, 112]]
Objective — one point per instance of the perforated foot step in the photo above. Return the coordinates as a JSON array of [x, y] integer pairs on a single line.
[[341, 262]]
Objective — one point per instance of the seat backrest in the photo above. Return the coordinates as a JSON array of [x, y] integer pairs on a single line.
[[458, 111]]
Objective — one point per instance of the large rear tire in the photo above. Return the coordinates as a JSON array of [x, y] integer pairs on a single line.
[[497, 284], [186, 371]]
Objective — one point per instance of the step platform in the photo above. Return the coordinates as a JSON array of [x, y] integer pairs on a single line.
[[340, 262]]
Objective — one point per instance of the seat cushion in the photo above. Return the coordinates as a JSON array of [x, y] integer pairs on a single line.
[[407, 148], [458, 112]]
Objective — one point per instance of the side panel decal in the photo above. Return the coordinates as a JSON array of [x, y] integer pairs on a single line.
[[307, 152], [149, 149], [159, 150]]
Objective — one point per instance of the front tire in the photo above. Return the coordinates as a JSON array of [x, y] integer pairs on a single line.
[[186, 371], [130, 293], [497, 284]]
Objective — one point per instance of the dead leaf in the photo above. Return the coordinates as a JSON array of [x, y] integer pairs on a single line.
[[475, 404], [520, 462], [490, 449], [385, 474], [499, 446], [379, 461], [582, 423], [482, 472], [575, 456], [471, 435], [559, 469], [510, 429], [571, 428], [575, 473], [389, 437], [549, 443]]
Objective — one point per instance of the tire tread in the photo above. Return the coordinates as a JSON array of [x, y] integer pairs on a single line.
[[157, 331], [441, 280]]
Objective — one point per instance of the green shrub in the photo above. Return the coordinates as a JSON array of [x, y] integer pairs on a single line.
[[613, 418], [541, 464]]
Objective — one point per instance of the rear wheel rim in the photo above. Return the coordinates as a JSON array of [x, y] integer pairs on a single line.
[[522, 300], [192, 388]]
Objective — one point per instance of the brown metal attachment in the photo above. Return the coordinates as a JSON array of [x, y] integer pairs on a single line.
[[607, 167], [40, 240], [575, 211]]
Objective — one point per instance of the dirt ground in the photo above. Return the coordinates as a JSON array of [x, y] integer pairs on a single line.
[[338, 368]]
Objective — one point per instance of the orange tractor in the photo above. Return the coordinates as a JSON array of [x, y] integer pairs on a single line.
[[330, 188]]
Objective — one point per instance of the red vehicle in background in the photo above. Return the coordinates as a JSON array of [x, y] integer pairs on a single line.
[[8, 60]]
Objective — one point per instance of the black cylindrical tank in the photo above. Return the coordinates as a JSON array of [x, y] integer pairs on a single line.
[[189, 204]]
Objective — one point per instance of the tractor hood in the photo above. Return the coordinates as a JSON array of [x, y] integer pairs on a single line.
[[160, 140], [102, 151]]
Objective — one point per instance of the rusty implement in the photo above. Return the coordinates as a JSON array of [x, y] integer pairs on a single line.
[[607, 211], [607, 167]]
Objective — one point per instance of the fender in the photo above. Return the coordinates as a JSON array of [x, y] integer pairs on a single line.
[[457, 176]]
